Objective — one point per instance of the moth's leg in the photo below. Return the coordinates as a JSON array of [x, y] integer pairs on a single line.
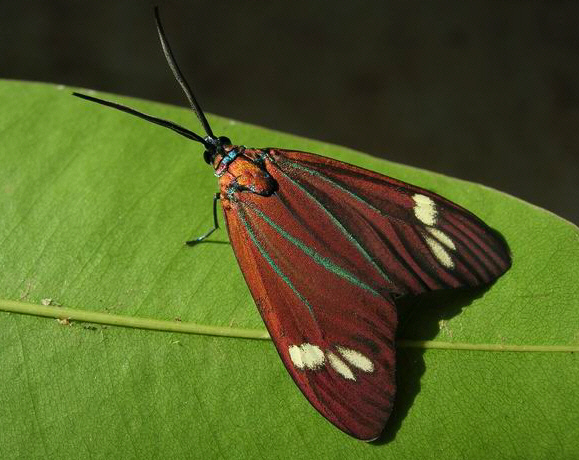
[[215, 223]]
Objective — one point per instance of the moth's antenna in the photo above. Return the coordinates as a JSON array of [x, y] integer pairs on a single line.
[[179, 76], [159, 121]]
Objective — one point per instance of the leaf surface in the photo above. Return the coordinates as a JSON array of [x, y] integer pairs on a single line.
[[94, 208]]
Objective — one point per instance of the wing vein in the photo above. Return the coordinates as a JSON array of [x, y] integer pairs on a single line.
[[273, 265], [315, 256], [349, 236]]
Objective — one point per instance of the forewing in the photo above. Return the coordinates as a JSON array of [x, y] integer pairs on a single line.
[[418, 239], [333, 330]]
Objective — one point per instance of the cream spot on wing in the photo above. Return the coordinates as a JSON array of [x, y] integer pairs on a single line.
[[439, 252], [356, 359], [312, 355], [442, 237], [340, 366], [306, 356], [296, 356], [424, 209]]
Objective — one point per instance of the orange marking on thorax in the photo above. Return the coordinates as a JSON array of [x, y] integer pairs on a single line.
[[243, 174]]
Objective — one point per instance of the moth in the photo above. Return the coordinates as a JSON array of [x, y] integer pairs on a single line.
[[326, 249]]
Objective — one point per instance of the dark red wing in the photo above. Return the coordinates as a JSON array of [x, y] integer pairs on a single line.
[[323, 257], [419, 239], [318, 314]]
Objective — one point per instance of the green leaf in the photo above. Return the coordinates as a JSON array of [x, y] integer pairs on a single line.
[[94, 208]]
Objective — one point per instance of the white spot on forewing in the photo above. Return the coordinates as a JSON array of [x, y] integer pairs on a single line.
[[306, 356], [313, 356], [296, 356], [424, 209], [442, 237], [340, 366], [356, 359], [439, 252]]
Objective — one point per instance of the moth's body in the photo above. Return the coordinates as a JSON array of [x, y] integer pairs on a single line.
[[326, 248]]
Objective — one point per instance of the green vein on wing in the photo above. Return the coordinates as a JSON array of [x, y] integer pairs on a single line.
[[108, 319], [316, 257], [338, 224], [313, 172], [272, 263]]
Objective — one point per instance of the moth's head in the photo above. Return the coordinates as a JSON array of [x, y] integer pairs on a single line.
[[214, 146]]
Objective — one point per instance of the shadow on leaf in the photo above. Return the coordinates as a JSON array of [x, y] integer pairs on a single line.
[[419, 319]]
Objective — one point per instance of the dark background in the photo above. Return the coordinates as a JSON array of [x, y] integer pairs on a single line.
[[486, 91]]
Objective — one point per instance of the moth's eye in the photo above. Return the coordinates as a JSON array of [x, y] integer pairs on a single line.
[[208, 156], [224, 140]]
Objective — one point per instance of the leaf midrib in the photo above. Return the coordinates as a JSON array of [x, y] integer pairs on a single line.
[[137, 322]]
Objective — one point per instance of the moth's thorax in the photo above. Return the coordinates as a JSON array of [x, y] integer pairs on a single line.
[[242, 170]]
